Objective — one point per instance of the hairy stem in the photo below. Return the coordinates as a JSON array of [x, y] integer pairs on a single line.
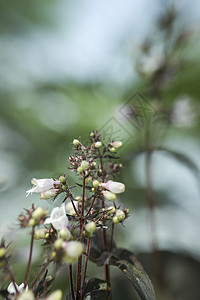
[[11, 276], [79, 268], [86, 262], [30, 257]]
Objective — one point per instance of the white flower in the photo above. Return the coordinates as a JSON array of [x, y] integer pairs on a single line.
[[70, 207], [114, 187], [26, 295], [11, 289], [58, 218], [97, 144], [42, 185], [56, 295]]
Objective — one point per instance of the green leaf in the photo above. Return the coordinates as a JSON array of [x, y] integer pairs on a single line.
[[96, 289], [127, 262]]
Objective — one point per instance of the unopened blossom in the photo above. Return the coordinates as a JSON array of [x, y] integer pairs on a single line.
[[109, 195], [73, 250], [58, 218], [26, 295], [56, 295], [42, 185], [114, 187], [70, 208], [116, 144], [49, 194], [120, 214], [76, 142], [11, 289], [97, 144]]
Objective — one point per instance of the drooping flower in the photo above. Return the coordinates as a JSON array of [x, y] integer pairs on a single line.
[[20, 288], [114, 187], [42, 185], [58, 218]]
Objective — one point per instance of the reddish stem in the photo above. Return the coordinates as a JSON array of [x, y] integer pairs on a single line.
[[71, 282], [86, 262], [39, 274], [30, 257]]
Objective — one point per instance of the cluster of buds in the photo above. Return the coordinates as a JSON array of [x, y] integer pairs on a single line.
[[33, 217]]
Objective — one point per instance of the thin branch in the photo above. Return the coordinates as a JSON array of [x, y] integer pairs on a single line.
[[71, 282], [40, 274], [30, 257], [86, 262]]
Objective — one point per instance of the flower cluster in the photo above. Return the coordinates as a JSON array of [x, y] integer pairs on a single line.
[[68, 228]]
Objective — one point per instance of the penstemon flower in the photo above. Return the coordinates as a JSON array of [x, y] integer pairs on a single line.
[[109, 195], [114, 187], [42, 185], [58, 218], [49, 194]]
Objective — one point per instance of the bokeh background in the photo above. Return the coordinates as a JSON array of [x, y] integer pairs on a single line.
[[130, 69]]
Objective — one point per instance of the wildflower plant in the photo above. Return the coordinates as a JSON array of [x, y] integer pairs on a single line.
[[80, 230]]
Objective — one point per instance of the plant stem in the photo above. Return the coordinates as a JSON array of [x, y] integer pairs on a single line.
[[30, 257], [11, 276], [39, 274], [71, 282], [86, 262], [79, 268], [91, 206]]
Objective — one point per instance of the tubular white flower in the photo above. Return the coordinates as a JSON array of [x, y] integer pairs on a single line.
[[42, 185], [114, 187], [58, 218], [11, 289], [49, 194]]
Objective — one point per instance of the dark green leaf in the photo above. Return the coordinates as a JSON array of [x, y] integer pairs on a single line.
[[97, 289]]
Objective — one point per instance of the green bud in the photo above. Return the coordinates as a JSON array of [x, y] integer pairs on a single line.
[[112, 149], [58, 243], [62, 179], [76, 142], [93, 189], [40, 234], [95, 183], [38, 212], [92, 134], [80, 169], [64, 234], [120, 165], [94, 164], [126, 210], [97, 144], [90, 227], [84, 165], [53, 254], [111, 210], [2, 252], [63, 187], [115, 219], [120, 214], [78, 198], [31, 222], [100, 171]]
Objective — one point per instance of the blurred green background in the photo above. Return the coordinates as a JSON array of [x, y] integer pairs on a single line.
[[70, 67]]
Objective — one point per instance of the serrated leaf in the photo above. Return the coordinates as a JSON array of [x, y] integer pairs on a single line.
[[96, 289]]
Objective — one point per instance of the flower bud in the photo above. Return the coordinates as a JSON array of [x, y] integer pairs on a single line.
[[100, 171], [90, 227], [111, 210], [58, 243], [116, 144], [26, 295], [88, 179], [120, 214], [84, 165], [95, 183], [93, 189], [53, 254], [56, 295], [78, 198], [64, 234], [93, 164], [38, 212], [91, 134], [115, 219], [109, 195], [49, 194], [76, 142], [2, 252], [73, 250], [62, 179], [40, 234], [126, 210], [112, 149], [31, 222], [79, 169], [120, 165], [97, 144]]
